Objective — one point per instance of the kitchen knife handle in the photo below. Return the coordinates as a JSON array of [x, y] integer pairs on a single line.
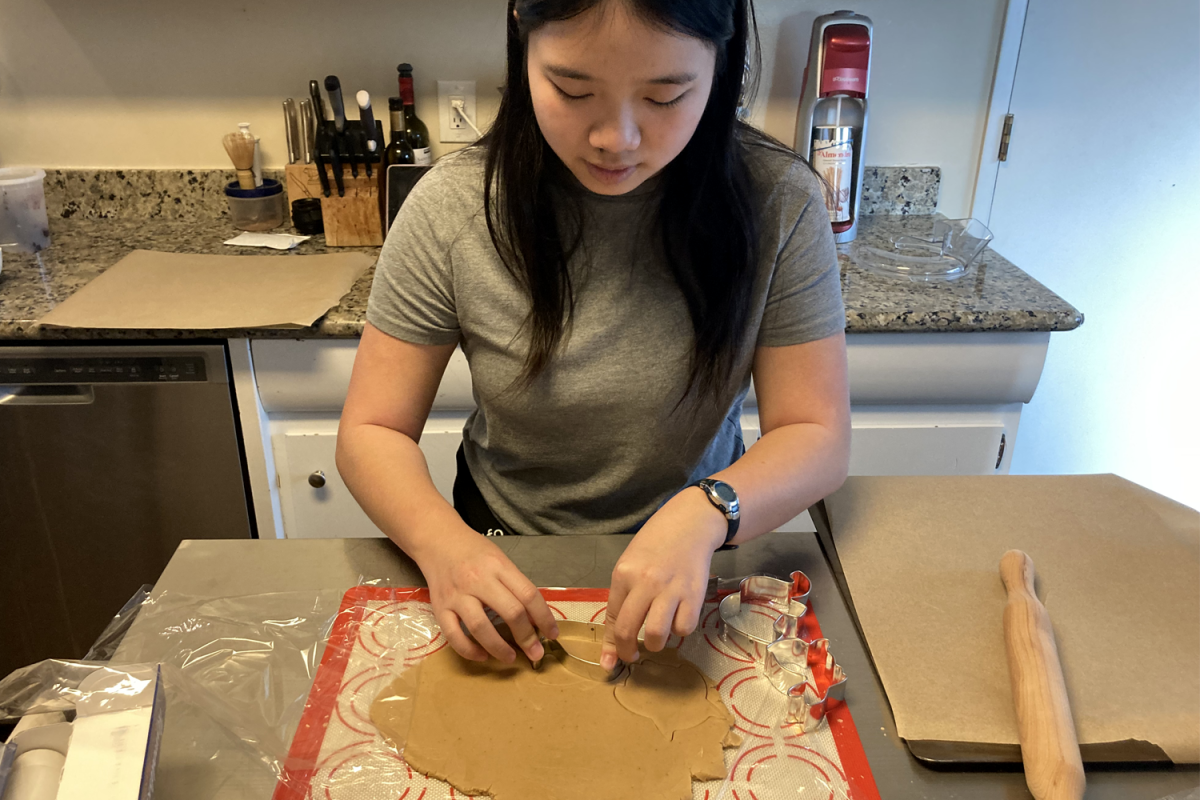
[[367, 117], [334, 87], [1049, 747], [291, 129], [314, 92], [308, 130]]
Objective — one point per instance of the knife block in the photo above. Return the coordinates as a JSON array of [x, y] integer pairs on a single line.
[[354, 220]]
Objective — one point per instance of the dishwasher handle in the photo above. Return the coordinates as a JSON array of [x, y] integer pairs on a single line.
[[66, 394]]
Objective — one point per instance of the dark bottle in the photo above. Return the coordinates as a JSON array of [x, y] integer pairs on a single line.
[[418, 134], [399, 151]]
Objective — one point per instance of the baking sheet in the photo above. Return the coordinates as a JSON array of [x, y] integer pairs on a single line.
[[1118, 569], [337, 753], [147, 289]]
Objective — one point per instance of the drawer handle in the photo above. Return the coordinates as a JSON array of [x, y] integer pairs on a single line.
[[47, 395], [317, 479]]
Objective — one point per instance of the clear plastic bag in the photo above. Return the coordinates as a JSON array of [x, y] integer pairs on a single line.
[[110, 638], [236, 672], [258, 652], [44, 687]]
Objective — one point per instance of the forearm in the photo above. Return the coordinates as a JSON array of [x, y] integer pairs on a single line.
[[785, 472], [387, 473], [660, 579]]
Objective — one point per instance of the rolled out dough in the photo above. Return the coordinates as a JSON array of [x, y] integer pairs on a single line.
[[516, 734]]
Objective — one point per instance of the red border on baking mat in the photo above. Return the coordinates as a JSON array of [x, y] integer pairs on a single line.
[[849, 746], [295, 783]]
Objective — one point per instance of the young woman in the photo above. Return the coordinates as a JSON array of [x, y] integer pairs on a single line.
[[616, 258]]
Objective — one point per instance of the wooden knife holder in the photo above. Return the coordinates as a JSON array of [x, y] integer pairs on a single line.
[[354, 220], [352, 207]]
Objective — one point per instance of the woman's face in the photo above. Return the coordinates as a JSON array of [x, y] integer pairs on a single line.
[[617, 99]]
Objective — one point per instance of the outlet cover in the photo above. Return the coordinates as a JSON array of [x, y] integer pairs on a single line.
[[460, 132]]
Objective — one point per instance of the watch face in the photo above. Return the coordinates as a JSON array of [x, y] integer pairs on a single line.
[[725, 492]]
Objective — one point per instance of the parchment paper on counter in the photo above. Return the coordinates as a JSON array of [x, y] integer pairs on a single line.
[[148, 289]]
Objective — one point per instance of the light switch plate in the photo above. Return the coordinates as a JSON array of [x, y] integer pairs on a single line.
[[452, 129]]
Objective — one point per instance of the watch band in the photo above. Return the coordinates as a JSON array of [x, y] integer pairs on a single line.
[[730, 508]]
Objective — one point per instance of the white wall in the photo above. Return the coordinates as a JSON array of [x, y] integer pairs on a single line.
[[138, 83], [1100, 200]]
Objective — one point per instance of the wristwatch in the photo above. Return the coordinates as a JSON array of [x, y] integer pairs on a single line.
[[722, 495]]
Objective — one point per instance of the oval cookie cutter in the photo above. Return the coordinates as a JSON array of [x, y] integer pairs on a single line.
[[585, 665], [768, 613]]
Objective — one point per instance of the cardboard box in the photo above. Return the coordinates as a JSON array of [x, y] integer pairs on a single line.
[[110, 750]]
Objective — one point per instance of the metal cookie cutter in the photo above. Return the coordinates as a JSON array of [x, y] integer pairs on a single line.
[[769, 612], [808, 676], [765, 609], [576, 659], [723, 586]]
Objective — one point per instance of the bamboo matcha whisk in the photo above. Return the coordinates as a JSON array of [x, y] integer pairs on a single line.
[[240, 147]]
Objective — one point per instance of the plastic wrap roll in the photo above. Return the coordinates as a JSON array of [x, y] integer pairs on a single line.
[[35, 775]]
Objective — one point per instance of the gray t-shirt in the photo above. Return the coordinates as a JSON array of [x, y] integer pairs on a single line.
[[598, 442]]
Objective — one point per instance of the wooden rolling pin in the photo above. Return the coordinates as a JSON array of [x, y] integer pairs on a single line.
[[1053, 767]]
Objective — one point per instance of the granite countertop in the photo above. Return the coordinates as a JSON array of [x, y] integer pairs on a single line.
[[994, 296]]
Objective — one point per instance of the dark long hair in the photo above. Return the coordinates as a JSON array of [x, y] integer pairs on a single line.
[[708, 220]]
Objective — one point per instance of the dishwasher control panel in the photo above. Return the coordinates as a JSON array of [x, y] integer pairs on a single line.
[[102, 369]]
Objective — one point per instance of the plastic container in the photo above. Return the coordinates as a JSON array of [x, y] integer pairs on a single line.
[[23, 223], [258, 209]]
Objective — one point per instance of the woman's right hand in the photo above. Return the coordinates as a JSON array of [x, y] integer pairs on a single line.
[[468, 574], [391, 391]]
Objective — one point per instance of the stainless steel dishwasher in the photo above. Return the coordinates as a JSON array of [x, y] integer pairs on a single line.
[[109, 458]]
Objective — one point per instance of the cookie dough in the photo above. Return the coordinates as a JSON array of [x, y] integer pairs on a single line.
[[518, 734]]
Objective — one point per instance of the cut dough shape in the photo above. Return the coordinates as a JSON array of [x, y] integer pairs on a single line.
[[516, 734], [664, 692]]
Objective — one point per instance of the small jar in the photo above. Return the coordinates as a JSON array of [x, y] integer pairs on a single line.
[[23, 223], [306, 216], [258, 209]]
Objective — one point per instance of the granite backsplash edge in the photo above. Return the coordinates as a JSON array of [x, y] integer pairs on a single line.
[[198, 195]]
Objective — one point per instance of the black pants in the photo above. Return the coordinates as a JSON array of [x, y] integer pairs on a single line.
[[470, 505]]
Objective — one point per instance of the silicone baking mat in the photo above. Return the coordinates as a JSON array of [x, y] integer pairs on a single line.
[[338, 755]]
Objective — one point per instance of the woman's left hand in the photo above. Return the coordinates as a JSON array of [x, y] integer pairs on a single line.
[[661, 578]]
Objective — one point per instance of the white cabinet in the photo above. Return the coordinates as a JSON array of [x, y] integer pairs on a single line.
[[948, 441], [921, 440], [922, 404], [927, 449], [313, 499]]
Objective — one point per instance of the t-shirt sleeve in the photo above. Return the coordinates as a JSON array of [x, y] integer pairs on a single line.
[[412, 295], [804, 300]]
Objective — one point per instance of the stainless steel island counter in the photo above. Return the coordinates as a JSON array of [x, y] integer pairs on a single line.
[[301, 570]]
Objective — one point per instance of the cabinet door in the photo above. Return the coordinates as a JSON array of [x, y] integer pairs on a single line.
[[329, 510], [913, 443], [926, 449]]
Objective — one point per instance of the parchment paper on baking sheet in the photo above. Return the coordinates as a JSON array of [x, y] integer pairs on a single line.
[[1118, 568]]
